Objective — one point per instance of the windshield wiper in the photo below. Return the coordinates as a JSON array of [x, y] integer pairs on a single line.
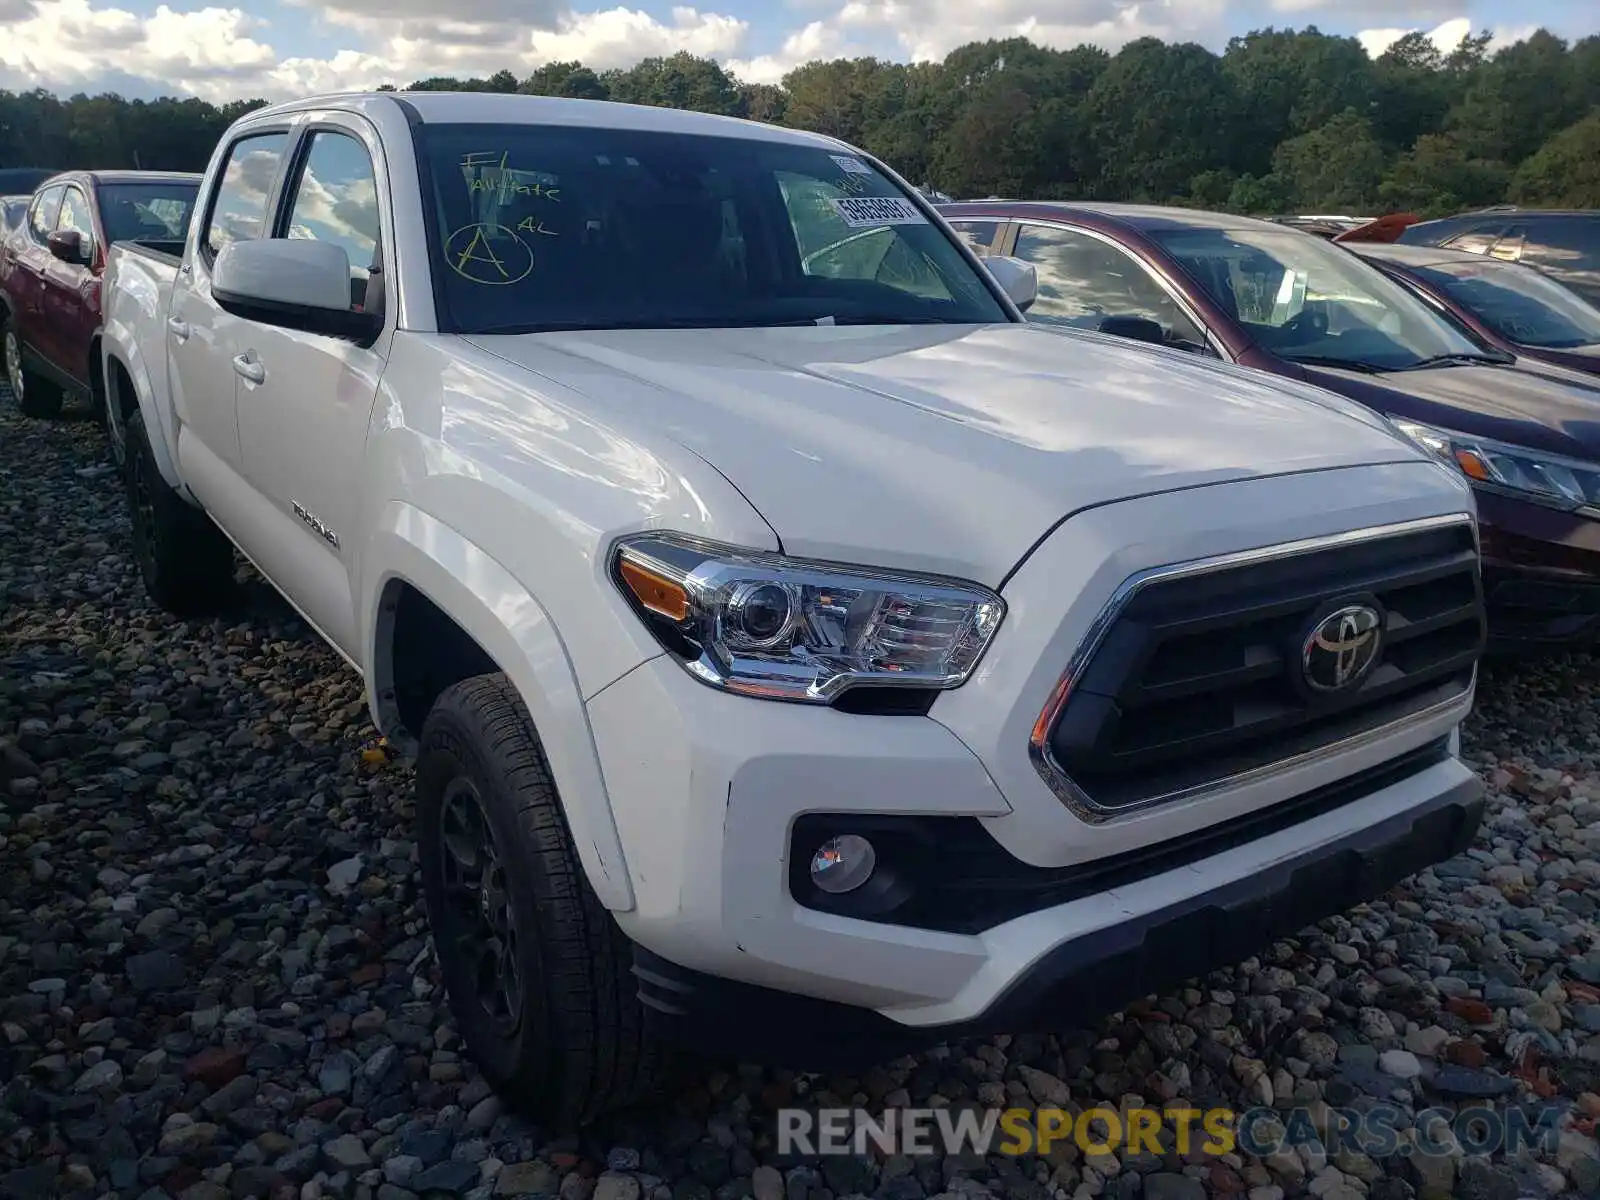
[[1343, 364], [1461, 360]]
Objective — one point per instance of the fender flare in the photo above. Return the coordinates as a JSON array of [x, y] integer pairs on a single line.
[[116, 349], [409, 546]]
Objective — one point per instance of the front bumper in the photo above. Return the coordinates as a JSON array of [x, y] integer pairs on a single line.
[[715, 795], [1080, 980], [1541, 575]]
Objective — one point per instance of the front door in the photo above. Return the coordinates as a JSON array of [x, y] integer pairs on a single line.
[[66, 296], [305, 399], [201, 338]]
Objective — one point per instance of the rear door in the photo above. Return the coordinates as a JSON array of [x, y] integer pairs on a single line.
[[67, 294], [202, 340]]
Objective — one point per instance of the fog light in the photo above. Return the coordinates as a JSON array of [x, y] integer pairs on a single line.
[[843, 864]]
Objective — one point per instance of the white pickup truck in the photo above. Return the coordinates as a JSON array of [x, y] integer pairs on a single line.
[[803, 656]]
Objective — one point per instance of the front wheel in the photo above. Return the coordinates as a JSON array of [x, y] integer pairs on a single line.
[[539, 974], [36, 397]]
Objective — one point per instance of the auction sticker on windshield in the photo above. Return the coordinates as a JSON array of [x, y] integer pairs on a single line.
[[861, 211]]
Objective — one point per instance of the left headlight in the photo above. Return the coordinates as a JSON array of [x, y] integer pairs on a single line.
[[761, 624], [1549, 479]]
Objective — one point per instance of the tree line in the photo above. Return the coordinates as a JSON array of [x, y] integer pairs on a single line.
[[1280, 121]]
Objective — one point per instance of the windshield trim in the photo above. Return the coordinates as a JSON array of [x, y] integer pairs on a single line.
[[445, 322]]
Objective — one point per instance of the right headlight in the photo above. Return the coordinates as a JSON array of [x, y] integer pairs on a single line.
[[760, 624], [1565, 483]]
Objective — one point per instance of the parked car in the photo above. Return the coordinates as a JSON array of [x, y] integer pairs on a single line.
[[1508, 305], [1564, 245], [796, 659], [1255, 293], [50, 271]]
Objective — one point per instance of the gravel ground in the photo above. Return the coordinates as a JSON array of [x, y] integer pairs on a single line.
[[216, 981]]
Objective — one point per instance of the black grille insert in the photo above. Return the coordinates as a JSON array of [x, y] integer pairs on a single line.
[[1199, 676]]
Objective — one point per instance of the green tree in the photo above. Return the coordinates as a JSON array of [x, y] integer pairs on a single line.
[[1439, 175], [571, 79], [1156, 117], [1290, 83], [1565, 171], [680, 81], [1517, 100], [1336, 167]]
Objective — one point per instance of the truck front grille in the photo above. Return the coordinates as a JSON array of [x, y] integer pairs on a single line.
[[1197, 674]]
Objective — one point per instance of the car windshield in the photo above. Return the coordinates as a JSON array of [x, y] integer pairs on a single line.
[[147, 212], [1305, 299], [1516, 302], [541, 227]]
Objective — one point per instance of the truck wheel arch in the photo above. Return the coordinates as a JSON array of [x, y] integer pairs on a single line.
[[127, 386], [438, 609]]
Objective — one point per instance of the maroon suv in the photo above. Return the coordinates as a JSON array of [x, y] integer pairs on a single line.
[[50, 268], [1276, 299]]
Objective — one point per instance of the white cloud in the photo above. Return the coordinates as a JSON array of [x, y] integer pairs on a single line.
[[1445, 37], [930, 29], [818, 40]]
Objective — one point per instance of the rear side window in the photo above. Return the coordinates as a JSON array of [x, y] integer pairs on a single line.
[[239, 211], [979, 235], [42, 216]]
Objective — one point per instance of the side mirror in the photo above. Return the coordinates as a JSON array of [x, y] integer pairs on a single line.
[[67, 245], [1140, 329], [1016, 278], [295, 283]]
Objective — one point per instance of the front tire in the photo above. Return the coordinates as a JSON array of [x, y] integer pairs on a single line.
[[186, 561], [35, 396], [539, 974]]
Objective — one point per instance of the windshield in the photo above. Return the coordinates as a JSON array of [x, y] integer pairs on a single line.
[[554, 227], [1519, 304], [1308, 300], [147, 212]]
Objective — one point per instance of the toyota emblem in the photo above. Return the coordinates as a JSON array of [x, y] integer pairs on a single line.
[[1342, 648]]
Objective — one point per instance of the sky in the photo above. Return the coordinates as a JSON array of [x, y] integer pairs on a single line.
[[224, 50]]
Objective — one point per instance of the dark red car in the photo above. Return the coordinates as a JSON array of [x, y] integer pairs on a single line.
[[1263, 296], [1506, 304], [50, 268]]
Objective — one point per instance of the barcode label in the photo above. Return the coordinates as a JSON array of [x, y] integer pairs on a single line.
[[860, 211]]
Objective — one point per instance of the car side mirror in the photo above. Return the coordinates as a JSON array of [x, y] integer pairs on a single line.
[[294, 283], [1139, 329], [67, 245], [1016, 278]]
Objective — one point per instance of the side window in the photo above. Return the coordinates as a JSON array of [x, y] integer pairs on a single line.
[[43, 213], [239, 209], [1476, 240], [979, 235], [336, 201], [75, 215], [1083, 281]]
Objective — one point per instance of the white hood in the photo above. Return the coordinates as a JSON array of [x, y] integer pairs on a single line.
[[947, 448]]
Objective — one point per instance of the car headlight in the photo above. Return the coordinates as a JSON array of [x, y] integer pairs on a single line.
[[1550, 479], [765, 625]]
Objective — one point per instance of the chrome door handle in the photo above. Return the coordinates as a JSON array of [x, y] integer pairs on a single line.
[[180, 329], [249, 368]]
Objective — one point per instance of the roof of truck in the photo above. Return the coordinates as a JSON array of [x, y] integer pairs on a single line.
[[503, 108]]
